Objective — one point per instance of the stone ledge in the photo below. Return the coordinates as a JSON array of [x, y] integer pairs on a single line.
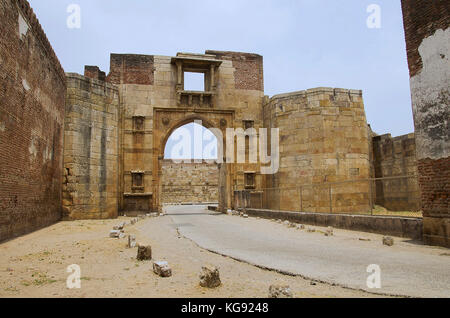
[[386, 225], [318, 90]]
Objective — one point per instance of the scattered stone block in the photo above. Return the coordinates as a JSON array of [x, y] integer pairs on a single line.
[[114, 233], [210, 277], [121, 235], [311, 230], [162, 269], [131, 241], [144, 253], [119, 226], [287, 223], [300, 227], [388, 241], [292, 225], [280, 292], [245, 216], [329, 231]]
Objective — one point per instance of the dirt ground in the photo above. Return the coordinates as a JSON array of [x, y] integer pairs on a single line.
[[35, 265]]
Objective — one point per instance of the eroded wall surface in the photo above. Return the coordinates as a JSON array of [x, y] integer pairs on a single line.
[[427, 35], [90, 149], [32, 92], [189, 183]]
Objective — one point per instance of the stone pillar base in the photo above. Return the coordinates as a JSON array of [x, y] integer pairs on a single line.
[[436, 231]]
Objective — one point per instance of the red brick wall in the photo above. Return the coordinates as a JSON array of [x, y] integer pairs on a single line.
[[131, 69], [249, 73], [94, 72], [421, 19], [32, 97], [434, 178]]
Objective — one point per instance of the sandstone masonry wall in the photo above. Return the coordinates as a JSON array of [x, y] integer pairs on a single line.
[[90, 149], [396, 157], [32, 92], [323, 140], [427, 32], [189, 182]]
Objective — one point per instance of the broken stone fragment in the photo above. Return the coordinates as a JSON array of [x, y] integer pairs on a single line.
[[119, 226], [210, 277], [114, 233], [121, 235], [131, 241], [388, 241], [162, 269], [287, 223], [300, 227], [144, 253], [311, 230], [245, 216], [329, 231], [280, 292], [292, 225]]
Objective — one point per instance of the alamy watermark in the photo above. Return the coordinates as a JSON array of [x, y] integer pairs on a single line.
[[232, 148], [74, 19], [374, 19], [374, 279], [74, 279]]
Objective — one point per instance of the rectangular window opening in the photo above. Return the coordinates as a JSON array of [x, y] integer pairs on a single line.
[[194, 81]]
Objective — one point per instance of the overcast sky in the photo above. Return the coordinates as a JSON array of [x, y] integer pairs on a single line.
[[305, 43]]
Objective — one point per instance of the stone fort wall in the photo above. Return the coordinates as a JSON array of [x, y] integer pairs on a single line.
[[32, 94], [90, 149], [396, 157], [323, 140], [189, 183]]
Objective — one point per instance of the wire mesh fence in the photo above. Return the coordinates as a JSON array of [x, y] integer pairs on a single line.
[[391, 196]]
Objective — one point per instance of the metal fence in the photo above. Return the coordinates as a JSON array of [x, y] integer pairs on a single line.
[[393, 196]]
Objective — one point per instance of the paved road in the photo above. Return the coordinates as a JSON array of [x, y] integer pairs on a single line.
[[407, 268]]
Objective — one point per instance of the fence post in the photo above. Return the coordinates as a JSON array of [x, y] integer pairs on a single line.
[[331, 201], [370, 197]]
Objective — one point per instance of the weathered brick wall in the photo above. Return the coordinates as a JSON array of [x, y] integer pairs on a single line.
[[427, 32], [90, 149], [189, 182], [396, 157], [94, 72], [248, 67], [323, 140], [131, 69], [32, 91]]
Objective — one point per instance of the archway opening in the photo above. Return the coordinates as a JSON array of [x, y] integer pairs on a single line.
[[190, 172]]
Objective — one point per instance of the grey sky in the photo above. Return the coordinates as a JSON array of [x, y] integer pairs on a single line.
[[305, 43]]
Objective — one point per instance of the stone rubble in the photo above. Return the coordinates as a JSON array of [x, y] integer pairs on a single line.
[[280, 292], [131, 241], [388, 241], [329, 231], [162, 269], [210, 277], [114, 233], [144, 253]]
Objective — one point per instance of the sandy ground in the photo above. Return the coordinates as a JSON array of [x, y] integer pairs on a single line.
[[35, 265]]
